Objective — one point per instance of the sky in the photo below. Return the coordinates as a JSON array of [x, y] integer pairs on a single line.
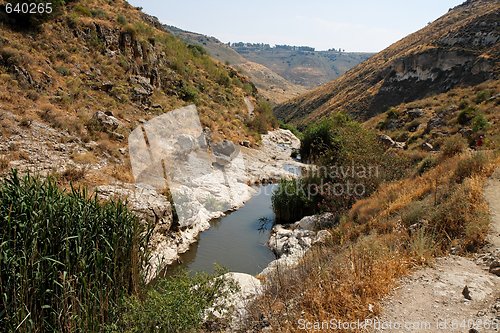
[[353, 25]]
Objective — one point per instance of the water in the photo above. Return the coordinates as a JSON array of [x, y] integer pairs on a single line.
[[236, 241]]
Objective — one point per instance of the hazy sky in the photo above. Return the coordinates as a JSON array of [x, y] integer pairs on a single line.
[[353, 25]]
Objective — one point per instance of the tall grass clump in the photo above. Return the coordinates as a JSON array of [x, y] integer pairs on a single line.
[[66, 259], [291, 201]]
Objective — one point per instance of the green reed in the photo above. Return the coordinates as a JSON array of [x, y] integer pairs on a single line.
[[66, 259]]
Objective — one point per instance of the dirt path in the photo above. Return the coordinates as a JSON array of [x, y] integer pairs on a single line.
[[492, 195], [433, 300]]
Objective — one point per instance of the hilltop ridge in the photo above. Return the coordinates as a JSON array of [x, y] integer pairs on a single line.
[[459, 49]]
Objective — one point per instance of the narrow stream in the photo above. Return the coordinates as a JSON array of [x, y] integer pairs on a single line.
[[236, 241]]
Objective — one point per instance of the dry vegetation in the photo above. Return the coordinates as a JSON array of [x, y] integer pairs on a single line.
[[399, 228], [74, 65]]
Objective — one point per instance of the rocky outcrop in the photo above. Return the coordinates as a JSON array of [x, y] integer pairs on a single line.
[[104, 121], [236, 304], [389, 142], [290, 243]]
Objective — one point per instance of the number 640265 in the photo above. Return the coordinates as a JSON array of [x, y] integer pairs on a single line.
[[29, 8]]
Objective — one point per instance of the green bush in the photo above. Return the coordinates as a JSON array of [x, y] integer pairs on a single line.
[[83, 10], [291, 200], [121, 20], [482, 96], [318, 140], [189, 93], [197, 50], [480, 123], [466, 115], [66, 259], [264, 119], [352, 164], [426, 165], [177, 303]]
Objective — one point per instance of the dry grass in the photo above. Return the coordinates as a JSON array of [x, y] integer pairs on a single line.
[[400, 227], [4, 163], [73, 174], [85, 158]]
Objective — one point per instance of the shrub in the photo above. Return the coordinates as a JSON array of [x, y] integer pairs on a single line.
[[291, 200], [426, 165], [470, 166], [63, 71], [318, 139], [83, 10], [4, 163], [480, 123], [188, 93], [177, 303], [462, 215], [73, 174], [414, 213], [121, 20], [466, 115], [264, 119], [453, 145], [482, 96], [66, 259], [197, 50]]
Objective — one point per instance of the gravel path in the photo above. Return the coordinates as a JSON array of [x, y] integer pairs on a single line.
[[436, 299]]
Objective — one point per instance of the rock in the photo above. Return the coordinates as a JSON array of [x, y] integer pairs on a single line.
[[107, 86], [186, 144], [386, 140], [495, 268], [224, 152], [202, 141], [245, 143], [142, 88], [427, 146], [122, 151], [322, 237], [117, 136], [466, 293], [415, 113], [148, 204], [237, 303], [103, 122], [316, 222], [389, 142], [435, 122]]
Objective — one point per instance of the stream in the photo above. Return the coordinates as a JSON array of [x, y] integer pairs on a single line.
[[236, 241]]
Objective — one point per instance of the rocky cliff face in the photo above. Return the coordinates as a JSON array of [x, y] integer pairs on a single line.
[[459, 49]]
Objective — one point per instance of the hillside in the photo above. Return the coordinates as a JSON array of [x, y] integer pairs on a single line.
[[302, 65], [457, 50], [96, 56], [270, 84]]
